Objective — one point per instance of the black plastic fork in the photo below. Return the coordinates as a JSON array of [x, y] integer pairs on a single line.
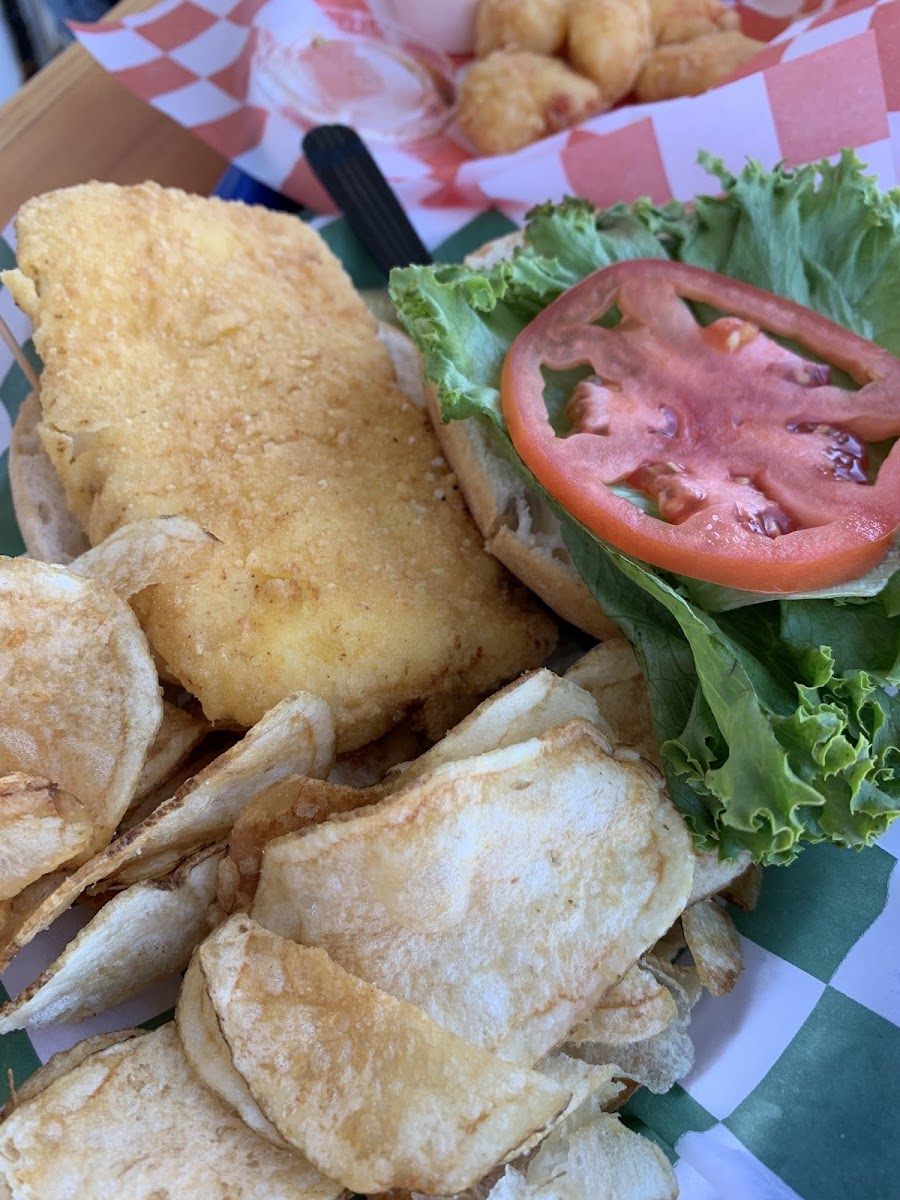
[[343, 165]]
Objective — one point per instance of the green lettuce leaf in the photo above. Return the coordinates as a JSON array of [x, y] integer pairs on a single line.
[[777, 718]]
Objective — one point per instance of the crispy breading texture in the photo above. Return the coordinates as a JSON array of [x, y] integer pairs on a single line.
[[695, 66], [514, 97], [536, 25], [609, 41], [211, 360], [684, 20]]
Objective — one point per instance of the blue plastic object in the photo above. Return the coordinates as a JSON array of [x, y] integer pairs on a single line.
[[236, 184]]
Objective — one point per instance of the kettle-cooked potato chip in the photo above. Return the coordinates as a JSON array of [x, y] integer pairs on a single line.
[[591, 1155], [610, 672], [660, 1060], [131, 1120], [79, 695], [296, 737], [178, 736], [142, 934], [526, 708], [504, 894], [145, 552], [285, 807], [41, 828], [370, 1089], [635, 1008], [209, 1054], [714, 944], [60, 1064]]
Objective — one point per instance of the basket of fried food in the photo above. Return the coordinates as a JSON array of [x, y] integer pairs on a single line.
[[545, 65]]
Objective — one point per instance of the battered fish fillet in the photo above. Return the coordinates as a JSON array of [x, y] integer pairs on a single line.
[[212, 360]]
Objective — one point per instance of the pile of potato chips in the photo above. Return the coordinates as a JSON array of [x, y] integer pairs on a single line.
[[434, 977]]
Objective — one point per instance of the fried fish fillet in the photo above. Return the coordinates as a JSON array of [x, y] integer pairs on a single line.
[[211, 360]]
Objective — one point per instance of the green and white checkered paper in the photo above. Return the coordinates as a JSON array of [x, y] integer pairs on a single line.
[[796, 1086]]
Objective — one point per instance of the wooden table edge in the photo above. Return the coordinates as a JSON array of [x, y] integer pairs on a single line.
[[73, 122]]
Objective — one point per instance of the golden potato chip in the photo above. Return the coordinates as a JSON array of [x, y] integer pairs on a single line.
[[582, 1079], [50, 531], [743, 892], [366, 1086], [591, 1155], [635, 1008], [209, 1054], [179, 735], [60, 1064], [611, 674], [714, 944], [296, 737], [526, 708], [142, 934], [79, 695], [41, 828], [660, 1060], [503, 894], [712, 874], [586, 1083], [285, 807], [141, 809], [142, 553], [131, 1120]]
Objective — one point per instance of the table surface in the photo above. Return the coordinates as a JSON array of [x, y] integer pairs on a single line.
[[72, 123]]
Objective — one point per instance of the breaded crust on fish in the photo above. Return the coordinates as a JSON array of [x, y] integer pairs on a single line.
[[212, 360]]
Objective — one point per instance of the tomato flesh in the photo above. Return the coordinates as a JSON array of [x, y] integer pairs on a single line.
[[757, 463]]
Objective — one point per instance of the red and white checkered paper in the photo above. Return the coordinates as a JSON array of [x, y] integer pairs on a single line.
[[829, 78]]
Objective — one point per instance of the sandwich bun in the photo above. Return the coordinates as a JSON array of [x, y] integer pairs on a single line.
[[517, 524]]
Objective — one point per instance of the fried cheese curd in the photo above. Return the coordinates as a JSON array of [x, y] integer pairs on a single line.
[[514, 97], [212, 360], [609, 42], [693, 67], [538, 25], [684, 20]]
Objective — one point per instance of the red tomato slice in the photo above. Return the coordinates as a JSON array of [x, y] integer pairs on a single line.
[[756, 462]]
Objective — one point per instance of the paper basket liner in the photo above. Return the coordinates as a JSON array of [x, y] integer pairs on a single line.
[[796, 1085], [830, 78]]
